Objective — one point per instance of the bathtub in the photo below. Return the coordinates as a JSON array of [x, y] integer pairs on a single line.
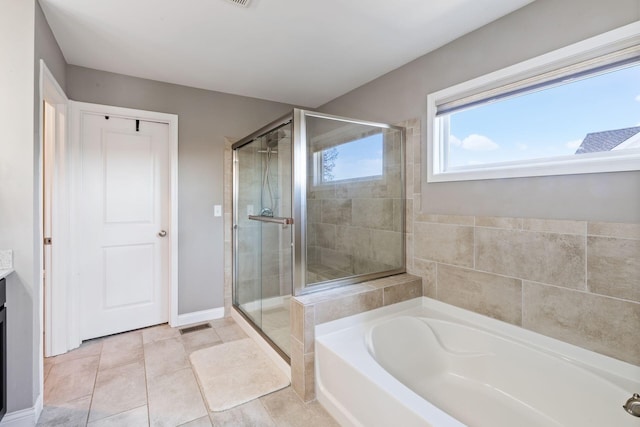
[[425, 363]]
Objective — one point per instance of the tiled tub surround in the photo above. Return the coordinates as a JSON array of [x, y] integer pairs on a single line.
[[309, 310], [572, 280]]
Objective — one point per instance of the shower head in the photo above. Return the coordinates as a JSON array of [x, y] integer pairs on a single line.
[[272, 139]]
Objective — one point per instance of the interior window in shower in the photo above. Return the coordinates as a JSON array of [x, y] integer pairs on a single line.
[[361, 158]]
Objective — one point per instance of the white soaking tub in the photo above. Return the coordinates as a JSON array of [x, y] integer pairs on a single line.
[[426, 363]]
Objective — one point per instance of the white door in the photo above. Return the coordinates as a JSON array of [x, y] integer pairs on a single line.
[[125, 199]]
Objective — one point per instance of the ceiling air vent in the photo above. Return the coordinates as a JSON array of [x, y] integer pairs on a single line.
[[243, 3]]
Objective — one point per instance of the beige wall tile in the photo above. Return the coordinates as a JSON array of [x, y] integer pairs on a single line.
[[297, 368], [427, 271], [309, 329], [499, 222], [555, 226], [336, 211], [353, 304], [598, 323], [408, 218], [557, 259], [326, 235], [451, 244], [409, 178], [309, 378], [445, 219], [373, 213], [409, 252], [297, 320], [613, 229], [613, 267], [402, 292], [494, 296]]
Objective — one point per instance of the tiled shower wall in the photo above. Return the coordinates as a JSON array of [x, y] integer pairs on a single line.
[[576, 281]]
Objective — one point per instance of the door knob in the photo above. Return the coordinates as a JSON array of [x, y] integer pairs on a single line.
[[162, 233]]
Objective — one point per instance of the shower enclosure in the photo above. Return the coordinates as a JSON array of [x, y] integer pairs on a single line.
[[318, 202]]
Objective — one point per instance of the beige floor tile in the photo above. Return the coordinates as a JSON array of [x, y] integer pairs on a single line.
[[225, 321], [230, 333], [69, 414], [200, 339], [248, 415], [84, 365], [174, 399], [64, 388], [46, 369], [117, 390], [159, 333], [87, 348], [164, 357], [137, 417], [200, 422], [121, 349], [286, 408]]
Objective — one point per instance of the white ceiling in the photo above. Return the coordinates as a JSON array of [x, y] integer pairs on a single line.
[[294, 51]]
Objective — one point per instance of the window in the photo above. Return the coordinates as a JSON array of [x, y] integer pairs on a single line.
[[354, 160], [575, 110]]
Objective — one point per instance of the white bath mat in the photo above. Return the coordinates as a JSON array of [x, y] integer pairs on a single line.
[[234, 373]]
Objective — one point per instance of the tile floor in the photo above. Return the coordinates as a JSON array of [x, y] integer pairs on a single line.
[[144, 378]]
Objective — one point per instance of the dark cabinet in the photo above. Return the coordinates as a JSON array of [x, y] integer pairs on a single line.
[[3, 348]]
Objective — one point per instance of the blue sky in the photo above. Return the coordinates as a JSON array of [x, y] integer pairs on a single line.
[[546, 123], [359, 158]]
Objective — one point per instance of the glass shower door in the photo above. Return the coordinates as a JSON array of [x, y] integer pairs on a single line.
[[264, 233]]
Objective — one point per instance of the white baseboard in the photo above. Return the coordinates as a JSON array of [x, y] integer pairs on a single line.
[[273, 355], [199, 316], [24, 417]]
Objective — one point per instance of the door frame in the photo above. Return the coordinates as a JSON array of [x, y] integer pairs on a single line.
[[77, 109], [55, 340]]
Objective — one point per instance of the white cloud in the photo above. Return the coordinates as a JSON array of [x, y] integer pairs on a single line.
[[453, 140], [638, 98], [521, 146], [574, 144], [475, 142]]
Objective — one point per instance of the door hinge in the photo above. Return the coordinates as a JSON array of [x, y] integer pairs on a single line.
[[47, 241]]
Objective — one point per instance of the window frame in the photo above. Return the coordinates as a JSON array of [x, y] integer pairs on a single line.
[[437, 134]]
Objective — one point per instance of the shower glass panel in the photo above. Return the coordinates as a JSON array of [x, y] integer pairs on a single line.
[[355, 200], [263, 237]]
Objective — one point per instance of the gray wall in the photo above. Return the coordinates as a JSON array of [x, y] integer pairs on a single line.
[[540, 27], [205, 118], [25, 37]]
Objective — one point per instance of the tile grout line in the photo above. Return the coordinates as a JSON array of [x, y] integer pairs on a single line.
[[95, 381], [146, 381]]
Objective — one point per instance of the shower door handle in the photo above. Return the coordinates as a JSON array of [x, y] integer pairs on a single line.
[[273, 219]]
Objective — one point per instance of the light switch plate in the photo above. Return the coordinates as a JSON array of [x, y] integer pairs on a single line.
[[217, 210]]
